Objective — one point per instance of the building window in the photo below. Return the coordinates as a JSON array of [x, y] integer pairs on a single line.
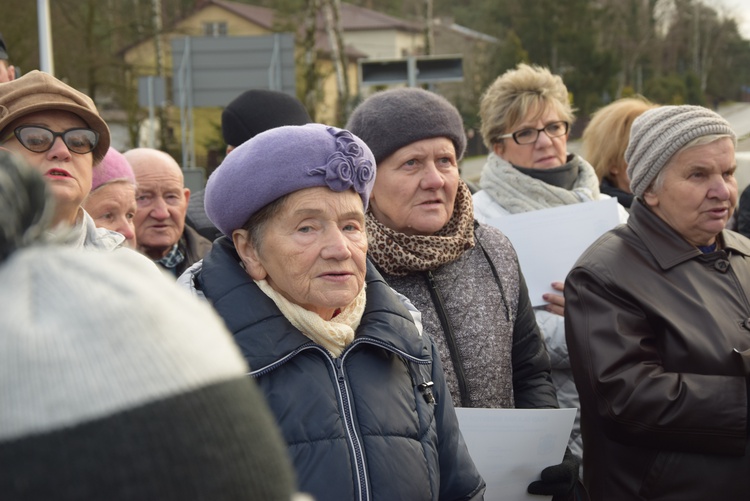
[[215, 29]]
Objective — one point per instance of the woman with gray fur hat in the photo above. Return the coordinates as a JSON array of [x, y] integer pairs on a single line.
[[657, 323], [463, 276]]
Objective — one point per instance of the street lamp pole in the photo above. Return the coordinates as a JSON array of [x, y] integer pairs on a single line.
[[46, 62]]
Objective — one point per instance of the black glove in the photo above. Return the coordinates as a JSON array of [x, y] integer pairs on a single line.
[[558, 480]]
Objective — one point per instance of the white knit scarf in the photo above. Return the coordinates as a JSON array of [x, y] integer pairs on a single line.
[[518, 193], [334, 335]]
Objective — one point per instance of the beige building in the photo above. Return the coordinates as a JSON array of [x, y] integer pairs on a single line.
[[366, 33]]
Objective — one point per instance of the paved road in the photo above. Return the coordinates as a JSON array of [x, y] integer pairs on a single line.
[[737, 114]]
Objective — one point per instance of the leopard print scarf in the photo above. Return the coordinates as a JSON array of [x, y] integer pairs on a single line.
[[399, 254]]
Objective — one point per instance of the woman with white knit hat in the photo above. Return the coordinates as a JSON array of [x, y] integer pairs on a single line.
[[114, 383], [658, 323]]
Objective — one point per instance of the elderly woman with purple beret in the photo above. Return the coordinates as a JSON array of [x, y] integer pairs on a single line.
[[358, 392]]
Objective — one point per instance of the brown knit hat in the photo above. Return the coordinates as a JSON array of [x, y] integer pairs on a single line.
[[38, 91]]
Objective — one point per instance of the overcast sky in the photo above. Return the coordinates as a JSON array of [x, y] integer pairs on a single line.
[[739, 9]]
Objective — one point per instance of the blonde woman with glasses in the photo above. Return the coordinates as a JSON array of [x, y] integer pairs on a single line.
[[526, 118]]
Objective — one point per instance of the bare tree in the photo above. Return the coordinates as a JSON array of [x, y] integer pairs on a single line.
[[332, 19]]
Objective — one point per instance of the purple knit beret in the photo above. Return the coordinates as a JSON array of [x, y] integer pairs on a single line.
[[281, 161], [113, 167]]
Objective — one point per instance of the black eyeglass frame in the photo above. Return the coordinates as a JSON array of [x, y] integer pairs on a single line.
[[18, 130], [515, 134]]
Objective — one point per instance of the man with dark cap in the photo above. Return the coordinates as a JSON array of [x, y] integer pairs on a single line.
[[250, 113], [7, 71]]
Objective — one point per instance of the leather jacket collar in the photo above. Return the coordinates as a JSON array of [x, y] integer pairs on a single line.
[[667, 246]]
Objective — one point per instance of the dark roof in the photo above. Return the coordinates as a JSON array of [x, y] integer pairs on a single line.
[[258, 15], [353, 18]]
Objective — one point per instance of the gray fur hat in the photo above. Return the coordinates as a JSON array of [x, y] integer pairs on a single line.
[[394, 118], [658, 134]]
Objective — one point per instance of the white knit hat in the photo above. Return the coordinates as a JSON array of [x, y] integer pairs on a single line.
[[659, 133], [116, 384]]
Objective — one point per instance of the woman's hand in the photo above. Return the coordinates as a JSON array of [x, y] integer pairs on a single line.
[[556, 301]]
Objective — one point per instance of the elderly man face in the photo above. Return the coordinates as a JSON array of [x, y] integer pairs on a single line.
[[162, 201]]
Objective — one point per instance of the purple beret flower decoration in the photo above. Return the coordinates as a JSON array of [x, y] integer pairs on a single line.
[[346, 167], [346, 144]]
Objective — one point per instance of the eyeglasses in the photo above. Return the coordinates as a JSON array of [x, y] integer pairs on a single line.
[[40, 139], [530, 135]]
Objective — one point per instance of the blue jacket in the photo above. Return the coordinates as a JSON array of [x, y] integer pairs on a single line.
[[376, 423]]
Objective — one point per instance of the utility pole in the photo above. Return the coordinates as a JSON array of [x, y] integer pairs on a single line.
[[46, 60], [696, 40], [332, 11], [156, 7], [429, 38]]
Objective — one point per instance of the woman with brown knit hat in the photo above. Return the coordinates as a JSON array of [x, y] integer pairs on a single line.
[[463, 276], [58, 132]]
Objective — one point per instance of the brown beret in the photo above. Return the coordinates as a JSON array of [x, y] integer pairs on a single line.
[[38, 91]]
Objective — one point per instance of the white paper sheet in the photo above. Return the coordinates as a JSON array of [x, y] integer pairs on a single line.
[[549, 241], [511, 447]]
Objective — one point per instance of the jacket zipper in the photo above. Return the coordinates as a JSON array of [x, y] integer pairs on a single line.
[[343, 395], [450, 337], [352, 436]]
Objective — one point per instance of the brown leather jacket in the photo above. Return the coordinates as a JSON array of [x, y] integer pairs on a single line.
[[659, 342]]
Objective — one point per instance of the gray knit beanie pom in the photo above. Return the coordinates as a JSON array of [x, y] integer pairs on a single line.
[[658, 134], [395, 118]]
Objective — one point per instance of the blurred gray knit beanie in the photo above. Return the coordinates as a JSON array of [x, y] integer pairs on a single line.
[[116, 384], [391, 119], [658, 134]]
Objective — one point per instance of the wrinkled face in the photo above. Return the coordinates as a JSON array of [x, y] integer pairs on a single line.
[[162, 205], [415, 187], [68, 174], [545, 153], [699, 191], [313, 251], [113, 206]]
